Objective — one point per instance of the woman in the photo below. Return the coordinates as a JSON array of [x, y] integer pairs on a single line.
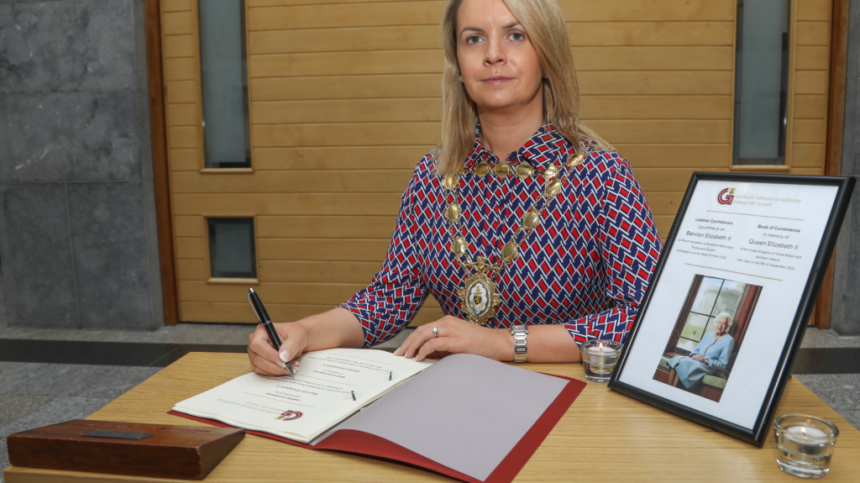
[[711, 355], [531, 234]]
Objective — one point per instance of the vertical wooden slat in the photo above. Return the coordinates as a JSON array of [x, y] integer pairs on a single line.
[[835, 123], [728, 161], [160, 169], [792, 75]]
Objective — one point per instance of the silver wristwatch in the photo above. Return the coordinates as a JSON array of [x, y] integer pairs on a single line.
[[521, 334]]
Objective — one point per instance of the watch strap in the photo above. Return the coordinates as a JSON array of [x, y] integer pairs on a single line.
[[520, 333]]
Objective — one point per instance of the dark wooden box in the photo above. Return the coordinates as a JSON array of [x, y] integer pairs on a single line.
[[186, 452]]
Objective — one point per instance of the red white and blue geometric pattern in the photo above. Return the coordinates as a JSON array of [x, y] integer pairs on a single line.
[[585, 266]]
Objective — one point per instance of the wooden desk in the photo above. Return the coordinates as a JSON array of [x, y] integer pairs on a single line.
[[603, 437]]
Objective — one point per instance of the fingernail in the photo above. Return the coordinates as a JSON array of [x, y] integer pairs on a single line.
[[285, 355], [397, 352]]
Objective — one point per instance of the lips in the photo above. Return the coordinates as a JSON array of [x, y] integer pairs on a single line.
[[496, 80]]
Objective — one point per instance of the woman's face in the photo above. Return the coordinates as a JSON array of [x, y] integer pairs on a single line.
[[498, 63], [722, 325]]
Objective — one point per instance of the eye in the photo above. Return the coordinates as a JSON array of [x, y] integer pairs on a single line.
[[517, 36], [473, 39]]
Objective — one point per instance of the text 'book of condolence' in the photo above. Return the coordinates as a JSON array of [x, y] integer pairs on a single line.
[[464, 416]]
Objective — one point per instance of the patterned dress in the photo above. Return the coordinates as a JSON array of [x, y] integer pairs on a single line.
[[586, 265]]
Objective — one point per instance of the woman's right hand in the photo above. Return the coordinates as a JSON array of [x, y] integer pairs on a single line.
[[265, 359]]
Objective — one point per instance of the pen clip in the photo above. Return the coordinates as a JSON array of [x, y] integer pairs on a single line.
[[251, 303]]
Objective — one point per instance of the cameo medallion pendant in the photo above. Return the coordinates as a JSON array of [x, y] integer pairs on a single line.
[[478, 298]]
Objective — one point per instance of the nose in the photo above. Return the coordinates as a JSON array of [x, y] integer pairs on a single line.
[[495, 53]]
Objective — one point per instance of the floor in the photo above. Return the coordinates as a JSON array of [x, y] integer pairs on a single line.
[[50, 376]]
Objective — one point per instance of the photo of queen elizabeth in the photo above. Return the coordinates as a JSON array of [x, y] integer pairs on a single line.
[[707, 336], [710, 355]]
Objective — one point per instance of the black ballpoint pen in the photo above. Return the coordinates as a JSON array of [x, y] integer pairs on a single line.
[[263, 316]]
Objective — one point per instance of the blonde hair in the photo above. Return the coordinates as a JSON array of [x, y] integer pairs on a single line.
[[544, 23]]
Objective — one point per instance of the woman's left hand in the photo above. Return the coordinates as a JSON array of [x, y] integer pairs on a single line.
[[456, 336]]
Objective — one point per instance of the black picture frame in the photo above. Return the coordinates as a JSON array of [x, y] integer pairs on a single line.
[[756, 435]]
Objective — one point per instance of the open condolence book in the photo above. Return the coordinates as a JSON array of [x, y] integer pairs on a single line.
[[484, 419]]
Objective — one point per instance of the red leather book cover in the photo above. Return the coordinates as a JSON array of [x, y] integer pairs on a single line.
[[367, 444]]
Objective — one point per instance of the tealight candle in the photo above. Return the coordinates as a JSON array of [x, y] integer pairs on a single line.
[[602, 349], [805, 435], [804, 444], [599, 358]]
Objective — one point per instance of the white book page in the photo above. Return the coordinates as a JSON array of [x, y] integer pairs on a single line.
[[331, 385]]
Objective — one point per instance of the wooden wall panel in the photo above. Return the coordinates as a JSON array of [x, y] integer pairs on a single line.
[[184, 159], [403, 86], [188, 226], [180, 46], [378, 227], [312, 271], [411, 37], [192, 269], [812, 80], [700, 156], [375, 181], [189, 247], [656, 82], [182, 115], [179, 92], [430, 61], [430, 109], [808, 155], [304, 14], [176, 5], [812, 57], [345, 100], [809, 130], [280, 3], [230, 204], [177, 23], [182, 137], [810, 107], [338, 158], [813, 33], [319, 249], [814, 10], [347, 134]]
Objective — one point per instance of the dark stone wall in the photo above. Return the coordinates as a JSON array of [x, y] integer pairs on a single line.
[[846, 284], [78, 240]]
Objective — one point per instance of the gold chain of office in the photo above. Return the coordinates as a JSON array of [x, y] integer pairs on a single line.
[[478, 295]]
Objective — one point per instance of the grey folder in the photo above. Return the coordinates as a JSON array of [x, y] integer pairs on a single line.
[[465, 412]]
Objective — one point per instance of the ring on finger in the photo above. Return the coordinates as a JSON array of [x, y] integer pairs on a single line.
[[435, 332]]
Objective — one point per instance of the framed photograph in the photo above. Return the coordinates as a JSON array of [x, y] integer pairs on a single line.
[[728, 303]]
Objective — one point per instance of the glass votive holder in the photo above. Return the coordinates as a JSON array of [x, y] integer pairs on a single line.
[[599, 358], [804, 444]]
